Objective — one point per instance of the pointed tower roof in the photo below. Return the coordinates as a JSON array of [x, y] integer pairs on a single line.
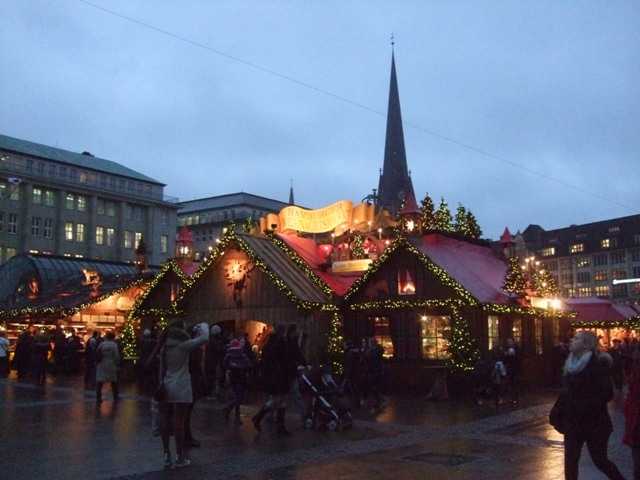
[[410, 206], [395, 183], [506, 237], [184, 235], [291, 202]]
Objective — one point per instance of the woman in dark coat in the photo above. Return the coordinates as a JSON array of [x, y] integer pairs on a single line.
[[589, 388], [278, 370]]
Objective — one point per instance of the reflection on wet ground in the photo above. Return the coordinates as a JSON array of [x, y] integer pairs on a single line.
[[58, 432]]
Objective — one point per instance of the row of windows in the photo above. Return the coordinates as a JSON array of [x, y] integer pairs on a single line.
[[74, 175], [620, 290], [611, 242], [216, 216], [76, 232]]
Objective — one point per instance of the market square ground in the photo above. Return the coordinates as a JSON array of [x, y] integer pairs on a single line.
[[59, 433]]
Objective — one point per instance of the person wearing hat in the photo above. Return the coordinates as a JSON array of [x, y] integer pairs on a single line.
[[238, 365]]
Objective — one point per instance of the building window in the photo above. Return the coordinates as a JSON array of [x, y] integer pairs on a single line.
[[406, 281], [100, 206], [128, 239], [619, 290], [111, 237], [619, 273], [493, 330], [516, 330], [82, 203], [164, 217], [138, 213], [436, 337], [636, 238], [537, 329], [49, 198], [618, 257], [111, 209], [99, 235], [583, 292], [52, 170], [138, 239], [566, 264], [567, 279], [35, 226], [68, 231], [71, 201], [547, 252], [599, 260], [583, 262], [601, 275], [382, 335], [37, 196], [80, 232], [164, 243], [604, 243], [12, 226], [614, 229], [635, 255], [602, 291], [129, 212], [83, 177], [1, 223], [47, 231], [583, 277], [62, 173], [577, 248]]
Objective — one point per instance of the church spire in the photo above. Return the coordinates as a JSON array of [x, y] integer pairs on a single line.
[[291, 202], [395, 183]]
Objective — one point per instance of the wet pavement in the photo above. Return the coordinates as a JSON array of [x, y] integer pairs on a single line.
[[58, 432]]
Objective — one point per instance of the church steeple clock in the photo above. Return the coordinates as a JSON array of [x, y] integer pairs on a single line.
[[185, 246]]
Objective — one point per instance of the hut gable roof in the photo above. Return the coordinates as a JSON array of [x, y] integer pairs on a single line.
[[472, 266], [275, 263], [314, 257]]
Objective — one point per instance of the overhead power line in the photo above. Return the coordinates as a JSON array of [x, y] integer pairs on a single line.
[[355, 104]]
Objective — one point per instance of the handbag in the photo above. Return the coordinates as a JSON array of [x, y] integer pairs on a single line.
[[558, 412]]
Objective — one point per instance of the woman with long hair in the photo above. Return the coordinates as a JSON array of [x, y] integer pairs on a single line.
[[588, 387]]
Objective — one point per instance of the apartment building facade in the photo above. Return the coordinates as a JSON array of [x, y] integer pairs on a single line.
[[206, 218], [57, 202], [599, 259]]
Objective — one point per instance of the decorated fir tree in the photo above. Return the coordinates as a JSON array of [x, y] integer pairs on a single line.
[[428, 213], [335, 345], [544, 284], [475, 232], [443, 217], [460, 226], [249, 225], [129, 339], [514, 281]]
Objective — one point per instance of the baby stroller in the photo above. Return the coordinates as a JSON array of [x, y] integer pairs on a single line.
[[329, 407], [487, 379]]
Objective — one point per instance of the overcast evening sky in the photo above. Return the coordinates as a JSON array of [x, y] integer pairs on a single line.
[[525, 112]]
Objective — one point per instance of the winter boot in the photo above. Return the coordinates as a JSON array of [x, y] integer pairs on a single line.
[[280, 414], [257, 418]]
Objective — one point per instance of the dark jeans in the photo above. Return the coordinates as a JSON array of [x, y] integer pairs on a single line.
[[635, 454], [597, 445]]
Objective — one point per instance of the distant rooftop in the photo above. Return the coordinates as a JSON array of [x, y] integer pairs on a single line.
[[231, 200], [80, 160]]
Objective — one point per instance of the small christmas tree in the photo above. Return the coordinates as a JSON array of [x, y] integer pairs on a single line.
[[335, 345], [443, 217], [428, 213], [460, 226], [545, 284], [514, 281], [475, 232]]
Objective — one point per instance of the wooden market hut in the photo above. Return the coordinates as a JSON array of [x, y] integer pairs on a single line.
[[436, 302], [249, 284]]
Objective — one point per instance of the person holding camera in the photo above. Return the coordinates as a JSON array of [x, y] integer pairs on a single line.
[[176, 346]]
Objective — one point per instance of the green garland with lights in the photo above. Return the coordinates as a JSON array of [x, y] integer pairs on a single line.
[[231, 236], [335, 344]]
